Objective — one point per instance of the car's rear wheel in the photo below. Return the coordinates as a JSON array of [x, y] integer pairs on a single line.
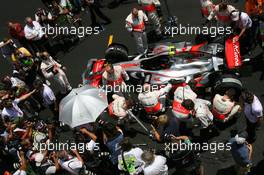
[[116, 53], [227, 81]]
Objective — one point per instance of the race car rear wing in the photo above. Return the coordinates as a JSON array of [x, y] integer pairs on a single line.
[[232, 53]]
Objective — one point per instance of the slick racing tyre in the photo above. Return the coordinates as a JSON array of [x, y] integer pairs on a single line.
[[228, 81], [116, 53]]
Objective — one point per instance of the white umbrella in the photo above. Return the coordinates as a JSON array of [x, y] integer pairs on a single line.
[[82, 105]]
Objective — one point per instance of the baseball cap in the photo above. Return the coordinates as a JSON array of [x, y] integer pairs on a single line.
[[38, 159]]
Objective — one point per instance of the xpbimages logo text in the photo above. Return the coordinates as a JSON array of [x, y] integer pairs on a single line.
[[212, 147], [196, 30], [71, 30]]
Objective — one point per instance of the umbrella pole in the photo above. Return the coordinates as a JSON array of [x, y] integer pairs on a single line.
[[138, 121]]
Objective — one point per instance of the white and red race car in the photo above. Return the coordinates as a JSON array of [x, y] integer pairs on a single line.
[[207, 63]]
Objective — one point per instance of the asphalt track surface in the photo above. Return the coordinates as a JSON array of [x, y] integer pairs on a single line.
[[187, 11]]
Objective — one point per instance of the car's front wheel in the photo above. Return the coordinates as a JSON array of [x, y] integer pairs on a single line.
[[116, 53]]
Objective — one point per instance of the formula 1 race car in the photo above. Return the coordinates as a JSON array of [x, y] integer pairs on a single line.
[[210, 64]]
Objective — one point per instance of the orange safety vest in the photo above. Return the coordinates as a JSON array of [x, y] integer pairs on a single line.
[[149, 8], [153, 109], [179, 109]]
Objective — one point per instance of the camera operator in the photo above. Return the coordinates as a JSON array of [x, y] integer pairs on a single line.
[[130, 158], [52, 69], [186, 161]]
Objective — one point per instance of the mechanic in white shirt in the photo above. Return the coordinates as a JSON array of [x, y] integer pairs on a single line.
[[185, 92], [243, 23], [52, 69], [203, 113], [135, 24], [207, 7], [253, 111], [132, 157], [150, 8], [34, 32], [118, 108], [114, 78], [11, 109], [224, 107], [153, 100], [154, 164], [222, 13], [48, 96]]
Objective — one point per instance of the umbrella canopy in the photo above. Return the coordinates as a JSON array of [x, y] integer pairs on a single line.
[[82, 105]]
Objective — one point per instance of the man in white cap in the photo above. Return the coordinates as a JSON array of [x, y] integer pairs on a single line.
[[135, 23], [243, 23]]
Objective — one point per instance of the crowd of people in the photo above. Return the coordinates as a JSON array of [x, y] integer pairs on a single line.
[[27, 92]]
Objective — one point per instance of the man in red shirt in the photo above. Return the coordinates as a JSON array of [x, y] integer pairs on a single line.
[[16, 31]]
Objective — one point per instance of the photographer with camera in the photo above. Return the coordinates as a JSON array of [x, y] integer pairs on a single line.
[[130, 159], [166, 126]]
